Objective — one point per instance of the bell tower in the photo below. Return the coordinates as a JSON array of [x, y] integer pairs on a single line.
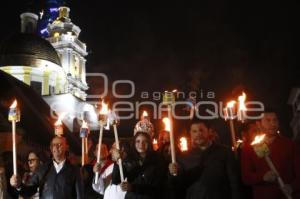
[[63, 35]]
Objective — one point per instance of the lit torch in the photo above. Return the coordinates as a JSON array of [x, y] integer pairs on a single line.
[[242, 108], [114, 123], [169, 100], [14, 117], [183, 144], [262, 151], [84, 132], [58, 129], [229, 110], [102, 121], [168, 126], [229, 115]]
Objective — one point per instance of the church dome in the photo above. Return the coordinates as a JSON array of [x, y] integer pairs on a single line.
[[24, 49]]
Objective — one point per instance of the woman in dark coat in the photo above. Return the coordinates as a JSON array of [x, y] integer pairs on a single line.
[[142, 169]]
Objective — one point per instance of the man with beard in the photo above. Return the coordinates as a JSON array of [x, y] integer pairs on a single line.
[[207, 171]]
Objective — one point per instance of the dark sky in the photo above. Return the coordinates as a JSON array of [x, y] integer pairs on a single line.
[[222, 46]]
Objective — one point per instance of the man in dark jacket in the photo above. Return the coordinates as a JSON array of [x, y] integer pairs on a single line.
[[207, 171], [57, 179]]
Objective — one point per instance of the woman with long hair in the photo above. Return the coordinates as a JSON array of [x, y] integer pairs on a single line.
[[142, 170]]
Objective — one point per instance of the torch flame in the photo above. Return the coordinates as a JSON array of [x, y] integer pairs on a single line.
[[84, 125], [60, 117], [104, 108], [231, 104], [239, 141], [242, 99], [167, 123], [258, 139], [183, 144], [14, 104], [145, 114], [154, 144], [154, 141]]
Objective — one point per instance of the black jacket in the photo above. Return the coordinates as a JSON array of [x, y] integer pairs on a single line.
[[66, 184], [208, 174], [146, 178]]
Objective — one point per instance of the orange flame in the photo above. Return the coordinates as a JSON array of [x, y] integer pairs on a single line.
[[145, 114], [14, 104], [239, 141], [104, 108], [258, 139], [60, 117], [154, 142], [183, 144], [84, 125], [242, 106], [231, 104], [167, 123]]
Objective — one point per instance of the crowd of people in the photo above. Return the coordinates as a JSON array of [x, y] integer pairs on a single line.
[[208, 170]]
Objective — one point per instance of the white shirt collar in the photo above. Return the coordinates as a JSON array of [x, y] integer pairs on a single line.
[[59, 166]]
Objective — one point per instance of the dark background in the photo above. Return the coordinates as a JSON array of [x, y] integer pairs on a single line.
[[221, 46]]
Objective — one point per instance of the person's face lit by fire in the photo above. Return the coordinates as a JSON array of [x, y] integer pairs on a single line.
[[269, 123], [200, 135], [58, 148], [141, 144]]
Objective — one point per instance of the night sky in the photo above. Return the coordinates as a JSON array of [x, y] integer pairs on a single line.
[[221, 46]]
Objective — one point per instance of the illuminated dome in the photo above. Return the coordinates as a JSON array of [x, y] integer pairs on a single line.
[[27, 49]]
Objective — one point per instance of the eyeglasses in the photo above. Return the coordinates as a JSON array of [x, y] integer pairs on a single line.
[[32, 160]]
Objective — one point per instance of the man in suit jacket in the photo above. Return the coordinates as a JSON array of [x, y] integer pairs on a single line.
[[57, 179]]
